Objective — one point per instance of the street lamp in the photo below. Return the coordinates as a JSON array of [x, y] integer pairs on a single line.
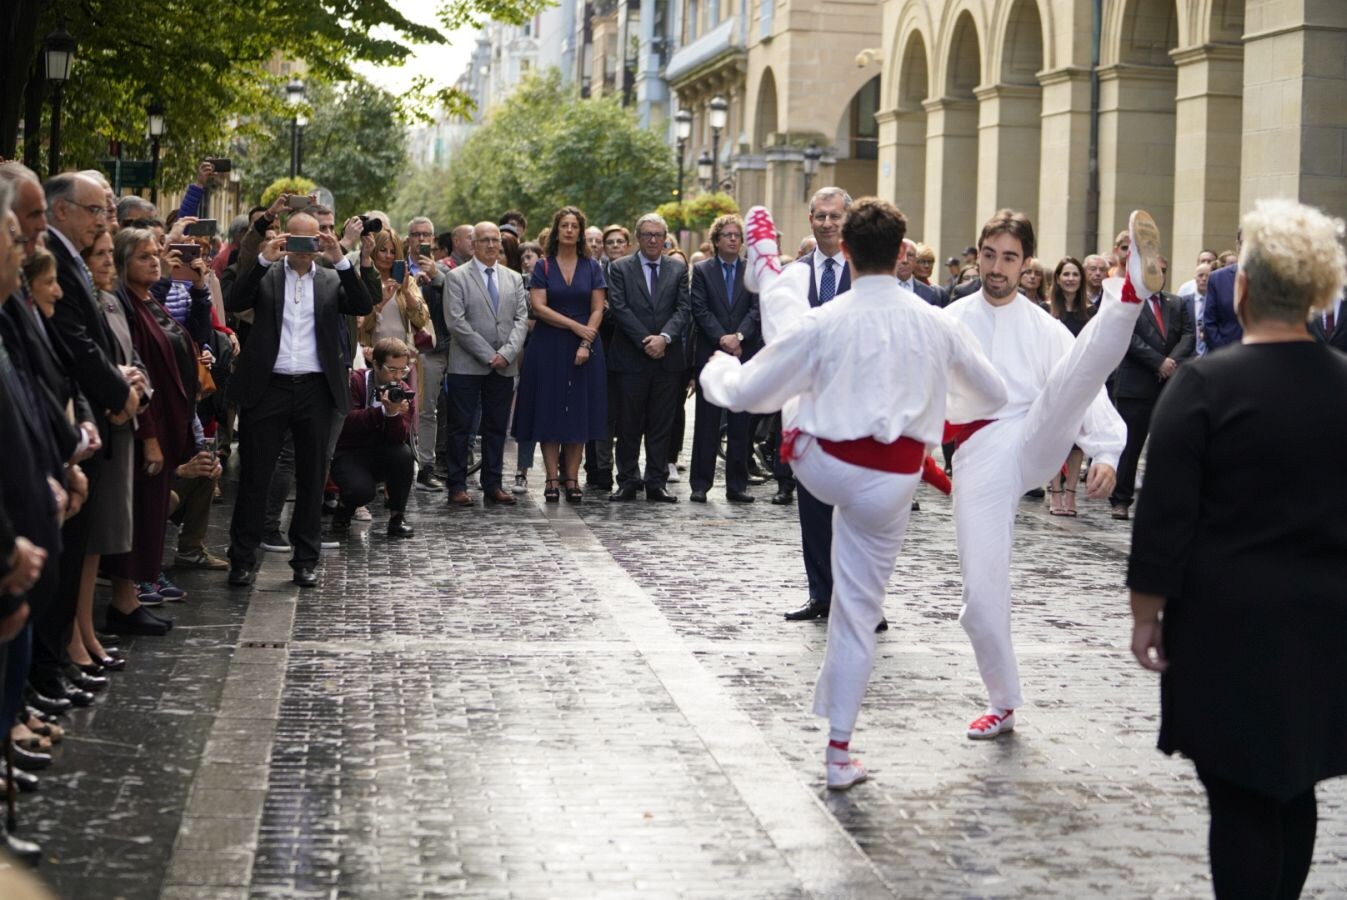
[[812, 154], [156, 113], [706, 168], [719, 108], [683, 131], [294, 97], [59, 52]]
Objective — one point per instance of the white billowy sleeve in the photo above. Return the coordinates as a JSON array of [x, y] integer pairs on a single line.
[[781, 370], [976, 389], [784, 300], [1103, 434]]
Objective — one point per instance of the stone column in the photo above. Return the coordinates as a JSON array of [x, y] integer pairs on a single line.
[[1136, 148], [1207, 160], [902, 164], [886, 186], [1295, 104], [1008, 145], [951, 174], [1064, 164], [785, 190]]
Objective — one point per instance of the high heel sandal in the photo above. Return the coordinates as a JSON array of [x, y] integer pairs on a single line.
[[1056, 503], [550, 492], [573, 492], [1070, 508]]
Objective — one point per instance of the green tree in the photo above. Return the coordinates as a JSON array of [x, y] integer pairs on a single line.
[[545, 147], [204, 63], [354, 145], [286, 185]]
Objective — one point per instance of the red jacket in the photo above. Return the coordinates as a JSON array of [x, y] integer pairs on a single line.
[[367, 426]]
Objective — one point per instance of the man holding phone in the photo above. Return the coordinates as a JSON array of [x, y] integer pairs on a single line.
[[291, 375], [432, 433]]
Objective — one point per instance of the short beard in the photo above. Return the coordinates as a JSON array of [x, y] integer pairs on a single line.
[[1011, 287]]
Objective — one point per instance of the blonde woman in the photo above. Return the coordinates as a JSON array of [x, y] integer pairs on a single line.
[[402, 311]]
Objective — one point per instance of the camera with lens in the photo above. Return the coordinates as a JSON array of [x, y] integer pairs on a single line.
[[370, 224], [394, 392]]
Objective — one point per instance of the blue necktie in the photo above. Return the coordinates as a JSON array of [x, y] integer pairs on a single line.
[[654, 277], [491, 289], [827, 285], [729, 283]]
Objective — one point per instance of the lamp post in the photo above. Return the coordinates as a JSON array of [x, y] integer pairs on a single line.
[[719, 112], [59, 52], [156, 113], [812, 154], [706, 168], [294, 97], [683, 131]]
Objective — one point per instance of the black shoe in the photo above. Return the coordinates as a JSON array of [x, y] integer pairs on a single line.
[[698, 497], [305, 577], [755, 480], [109, 664], [341, 522], [275, 542], [241, 576], [882, 627], [60, 686], [29, 760], [1035, 494], [783, 497], [814, 609], [916, 507], [397, 528], [93, 668], [622, 495], [27, 852], [659, 495], [426, 481], [739, 497], [26, 782], [139, 621], [85, 682], [51, 706]]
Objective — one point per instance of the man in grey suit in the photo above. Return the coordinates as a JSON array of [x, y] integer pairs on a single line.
[[487, 311], [648, 297]]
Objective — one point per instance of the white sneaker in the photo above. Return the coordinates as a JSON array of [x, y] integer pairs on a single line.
[[990, 724], [764, 253], [521, 484], [843, 776], [1143, 261], [329, 544], [673, 473]]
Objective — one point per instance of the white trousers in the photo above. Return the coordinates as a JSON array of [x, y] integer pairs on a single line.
[[999, 463], [870, 512]]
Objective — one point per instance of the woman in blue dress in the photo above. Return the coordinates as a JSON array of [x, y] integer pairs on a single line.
[[563, 387]]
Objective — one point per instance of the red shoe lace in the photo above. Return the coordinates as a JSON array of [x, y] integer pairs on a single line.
[[987, 722], [760, 226]]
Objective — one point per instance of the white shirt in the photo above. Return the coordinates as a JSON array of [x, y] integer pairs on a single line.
[[909, 285], [1188, 288], [298, 353], [481, 273], [877, 361], [819, 257], [1024, 344]]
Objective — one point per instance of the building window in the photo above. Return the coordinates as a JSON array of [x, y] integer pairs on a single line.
[[694, 20], [864, 128]]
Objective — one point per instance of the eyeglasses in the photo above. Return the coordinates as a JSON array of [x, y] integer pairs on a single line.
[[488, 240], [732, 234], [615, 242], [421, 234], [93, 209], [651, 235], [826, 217], [397, 370]]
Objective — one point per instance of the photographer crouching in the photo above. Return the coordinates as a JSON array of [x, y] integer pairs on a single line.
[[375, 442]]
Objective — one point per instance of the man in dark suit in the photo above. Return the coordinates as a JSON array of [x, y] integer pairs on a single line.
[[1162, 339], [291, 374], [1328, 327], [907, 277], [828, 275], [1220, 328], [648, 299], [725, 317]]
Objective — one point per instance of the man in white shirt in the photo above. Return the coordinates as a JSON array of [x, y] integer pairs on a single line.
[[858, 433], [1055, 399], [291, 374], [1189, 288]]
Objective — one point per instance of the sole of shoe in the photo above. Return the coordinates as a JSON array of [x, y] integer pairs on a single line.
[[1005, 727], [276, 548], [861, 778], [763, 252], [1145, 250]]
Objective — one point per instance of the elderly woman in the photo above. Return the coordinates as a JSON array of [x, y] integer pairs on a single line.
[[164, 430], [401, 312], [1239, 586]]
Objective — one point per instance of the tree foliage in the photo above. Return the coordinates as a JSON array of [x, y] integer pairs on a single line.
[[206, 64], [545, 147], [286, 185], [354, 145], [698, 213]]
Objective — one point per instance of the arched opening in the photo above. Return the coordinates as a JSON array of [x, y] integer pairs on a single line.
[[1010, 119], [1137, 120], [857, 141], [764, 120], [952, 145], [910, 159]]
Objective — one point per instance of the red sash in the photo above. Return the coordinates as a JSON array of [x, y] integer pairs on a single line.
[[904, 456]]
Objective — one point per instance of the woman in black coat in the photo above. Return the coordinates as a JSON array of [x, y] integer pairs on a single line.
[[1239, 586]]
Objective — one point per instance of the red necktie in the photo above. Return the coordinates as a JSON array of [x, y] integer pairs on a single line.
[[1159, 318], [1330, 323]]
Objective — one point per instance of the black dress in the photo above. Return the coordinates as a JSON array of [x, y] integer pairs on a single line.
[[1249, 545]]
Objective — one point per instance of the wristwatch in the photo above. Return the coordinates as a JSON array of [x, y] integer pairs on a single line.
[[739, 336]]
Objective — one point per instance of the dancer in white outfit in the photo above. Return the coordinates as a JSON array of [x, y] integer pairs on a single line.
[[1055, 399], [865, 378]]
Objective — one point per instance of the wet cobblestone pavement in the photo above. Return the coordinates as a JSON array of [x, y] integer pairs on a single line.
[[603, 701]]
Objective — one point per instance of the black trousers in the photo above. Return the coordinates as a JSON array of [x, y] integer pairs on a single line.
[[282, 480], [816, 537], [470, 397], [781, 471], [647, 401], [303, 405], [1137, 415], [1260, 847], [599, 454], [706, 441], [358, 471], [52, 606]]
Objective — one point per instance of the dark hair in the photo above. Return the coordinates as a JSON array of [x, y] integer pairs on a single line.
[[528, 245], [1058, 299], [1015, 224], [515, 216], [445, 241], [40, 263], [389, 348], [554, 232], [319, 209], [509, 245], [257, 209], [173, 216], [873, 233]]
